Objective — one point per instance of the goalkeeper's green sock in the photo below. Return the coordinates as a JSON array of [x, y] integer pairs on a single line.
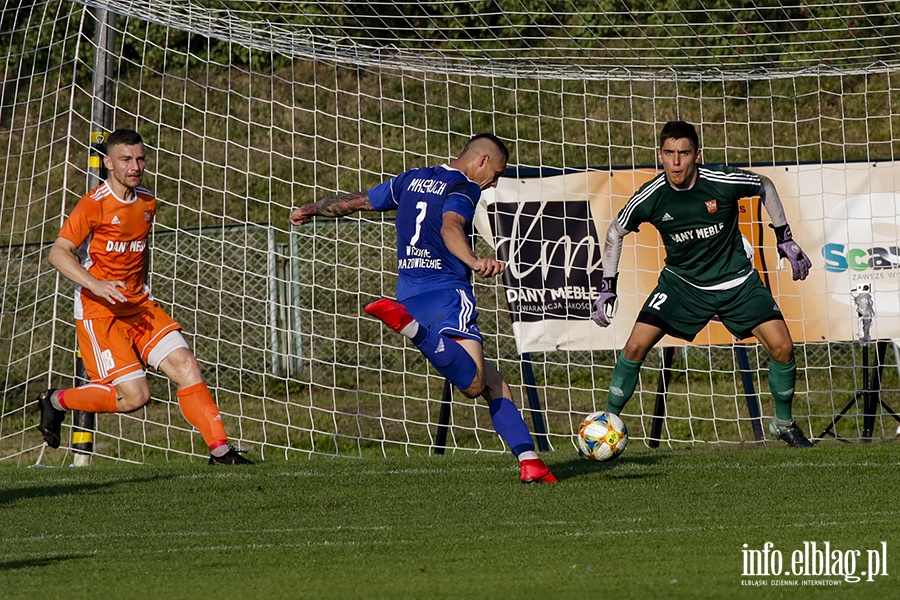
[[624, 381], [782, 377]]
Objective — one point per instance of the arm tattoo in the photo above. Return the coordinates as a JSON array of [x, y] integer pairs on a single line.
[[340, 205]]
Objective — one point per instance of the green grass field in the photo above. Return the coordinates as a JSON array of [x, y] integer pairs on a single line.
[[654, 524]]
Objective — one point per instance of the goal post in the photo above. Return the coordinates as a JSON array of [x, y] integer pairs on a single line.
[[249, 109]]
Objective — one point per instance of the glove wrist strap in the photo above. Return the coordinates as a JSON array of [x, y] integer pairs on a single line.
[[782, 233], [608, 284]]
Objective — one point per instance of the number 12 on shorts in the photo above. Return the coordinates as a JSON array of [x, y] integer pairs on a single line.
[[657, 300]]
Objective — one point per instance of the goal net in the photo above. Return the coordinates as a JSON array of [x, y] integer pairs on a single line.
[[251, 108]]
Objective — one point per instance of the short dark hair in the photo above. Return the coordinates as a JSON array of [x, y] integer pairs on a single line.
[[124, 137], [677, 130], [493, 138]]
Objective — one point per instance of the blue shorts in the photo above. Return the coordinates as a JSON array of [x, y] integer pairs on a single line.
[[449, 312]]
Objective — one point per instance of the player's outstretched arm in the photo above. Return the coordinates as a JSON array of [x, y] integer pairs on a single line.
[[338, 205], [788, 249], [612, 248], [454, 234], [606, 304]]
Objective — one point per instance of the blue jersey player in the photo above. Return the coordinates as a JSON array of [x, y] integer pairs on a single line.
[[435, 306]]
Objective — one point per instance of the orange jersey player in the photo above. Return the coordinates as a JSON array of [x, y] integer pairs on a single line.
[[111, 236], [102, 248]]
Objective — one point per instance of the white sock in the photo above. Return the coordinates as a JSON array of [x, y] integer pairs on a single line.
[[528, 455], [220, 451], [54, 400], [410, 330]]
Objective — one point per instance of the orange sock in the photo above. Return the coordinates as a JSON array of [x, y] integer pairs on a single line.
[[92, 398], [198, 408]]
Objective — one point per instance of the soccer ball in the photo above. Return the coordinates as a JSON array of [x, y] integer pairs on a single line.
[[602, 436]]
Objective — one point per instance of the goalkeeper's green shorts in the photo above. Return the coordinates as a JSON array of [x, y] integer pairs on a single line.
[[682, 310]]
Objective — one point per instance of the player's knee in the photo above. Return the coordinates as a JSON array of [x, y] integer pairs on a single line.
[[782, 352], [635, 350], [476, 389], [473, 391], [182, 368], [132, 401]]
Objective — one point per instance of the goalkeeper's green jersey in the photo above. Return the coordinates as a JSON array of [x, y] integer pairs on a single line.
[[698, 226]]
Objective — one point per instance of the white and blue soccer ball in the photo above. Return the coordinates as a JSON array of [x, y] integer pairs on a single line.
[[602, 436]]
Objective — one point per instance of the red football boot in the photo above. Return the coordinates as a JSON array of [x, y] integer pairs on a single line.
[[392, 313], [535, 471]]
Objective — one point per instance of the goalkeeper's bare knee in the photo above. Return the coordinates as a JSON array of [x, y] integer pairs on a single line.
[[783, 350]]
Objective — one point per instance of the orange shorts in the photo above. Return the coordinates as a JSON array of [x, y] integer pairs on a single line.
[[115, 346]]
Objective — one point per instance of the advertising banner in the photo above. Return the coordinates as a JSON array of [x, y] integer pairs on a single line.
[[550, 231]]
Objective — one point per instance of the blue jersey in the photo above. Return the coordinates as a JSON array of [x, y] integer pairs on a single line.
[[421, 197]]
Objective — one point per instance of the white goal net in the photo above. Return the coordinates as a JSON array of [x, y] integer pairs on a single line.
[[251, 108]]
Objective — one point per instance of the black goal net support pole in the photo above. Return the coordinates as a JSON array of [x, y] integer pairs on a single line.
[[752, 399], [84, 424], [440, 441], [662, 388]]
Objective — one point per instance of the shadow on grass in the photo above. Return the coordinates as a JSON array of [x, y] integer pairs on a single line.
[[44, 491], [12, 565], [578, 467]]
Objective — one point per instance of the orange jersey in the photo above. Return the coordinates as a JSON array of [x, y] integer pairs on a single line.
[[111, 235]]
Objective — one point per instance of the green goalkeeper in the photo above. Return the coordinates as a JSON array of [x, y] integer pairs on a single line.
[[708, 269]]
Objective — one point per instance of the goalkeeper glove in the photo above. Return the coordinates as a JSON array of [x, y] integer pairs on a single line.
[[605, 306], [788, 248]]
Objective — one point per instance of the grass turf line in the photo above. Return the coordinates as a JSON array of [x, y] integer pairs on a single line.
[[654, 524]]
